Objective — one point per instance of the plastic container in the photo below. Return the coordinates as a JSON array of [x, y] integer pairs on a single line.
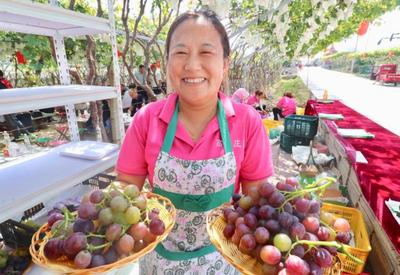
[[287, 142], [301, 126], [357, 224]]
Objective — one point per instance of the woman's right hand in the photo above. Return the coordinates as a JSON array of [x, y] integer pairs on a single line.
[[130, 179]]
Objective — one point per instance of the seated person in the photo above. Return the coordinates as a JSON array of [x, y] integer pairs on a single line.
[[255, 100], [285, 106], [240, 95]]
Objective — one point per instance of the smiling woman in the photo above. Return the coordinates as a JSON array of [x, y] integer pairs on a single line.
[[196, 147]]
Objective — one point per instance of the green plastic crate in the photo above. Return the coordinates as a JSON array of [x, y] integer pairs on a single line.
[[287, 141], [301, 126]]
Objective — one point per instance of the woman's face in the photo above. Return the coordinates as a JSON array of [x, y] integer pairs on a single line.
[[196, 63]]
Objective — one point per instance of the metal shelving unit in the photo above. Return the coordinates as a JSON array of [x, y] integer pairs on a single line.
[[40, 177]]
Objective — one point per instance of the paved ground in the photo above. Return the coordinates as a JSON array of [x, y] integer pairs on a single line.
[[378, 103]]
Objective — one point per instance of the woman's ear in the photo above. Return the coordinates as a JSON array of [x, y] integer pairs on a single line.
[[226, 66]]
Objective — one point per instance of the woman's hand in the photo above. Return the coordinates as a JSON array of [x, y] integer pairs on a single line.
[[130, 179], [247, 185]]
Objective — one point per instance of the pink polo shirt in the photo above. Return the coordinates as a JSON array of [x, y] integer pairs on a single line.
[[144, 138], [253, 100], [287, 105]]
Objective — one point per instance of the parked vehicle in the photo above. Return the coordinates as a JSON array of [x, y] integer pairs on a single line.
[[386, 73]]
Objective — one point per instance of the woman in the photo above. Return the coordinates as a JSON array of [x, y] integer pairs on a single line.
[[254, 99], [196, 147], [285, 106], [240, 95]]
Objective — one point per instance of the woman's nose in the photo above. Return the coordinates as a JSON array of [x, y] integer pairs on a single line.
[[193, 63]]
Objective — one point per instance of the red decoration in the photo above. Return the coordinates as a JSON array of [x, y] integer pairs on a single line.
[[119, 54], [363, 28], [20, 57]]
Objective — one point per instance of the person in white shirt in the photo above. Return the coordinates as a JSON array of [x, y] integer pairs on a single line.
[[142, 87], [154, 77]]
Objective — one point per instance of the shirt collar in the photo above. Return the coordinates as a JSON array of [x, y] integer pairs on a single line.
[[169, 107]]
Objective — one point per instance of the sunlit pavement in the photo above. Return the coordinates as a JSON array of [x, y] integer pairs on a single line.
[[379, 103]]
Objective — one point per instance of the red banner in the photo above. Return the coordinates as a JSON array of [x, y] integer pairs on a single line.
[[20, 57]]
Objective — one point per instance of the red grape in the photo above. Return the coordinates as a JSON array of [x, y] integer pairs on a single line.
[[157, 227], [54, 217], [229, 230], [276, 199], [273, 226], [110, 256], [250, 220], [267, 269], [323, 233], [266, 189], [323, 258], [262, 201], [149, 238], [247, 243], [83, 259], [113, 232], [292, 181], [125, 244], [302, 205], [254, 210], [314, 207], [285, 219], [253, 193], [266, 212], [96, 196], [74, 244], [285, 187], [232, 216], [296, 265], [139, 245], [226, 213], [97, 260], [298, 250], [155, 214], [311, 224], [241, 211], [53, 249], [236, 237], [138, 231], [315, 269], [341, 225], [87, 211], [239, 221], [96, 241], [84, 226], [262, 235], [270, 254], [288, 208], [297, 230], [343, 237], [243, 229]]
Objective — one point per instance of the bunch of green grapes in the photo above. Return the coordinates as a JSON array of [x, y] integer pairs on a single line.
[[107, 226]]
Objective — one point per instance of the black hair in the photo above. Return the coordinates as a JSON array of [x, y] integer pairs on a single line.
[[132, 86], [211, 17], [141, 66]]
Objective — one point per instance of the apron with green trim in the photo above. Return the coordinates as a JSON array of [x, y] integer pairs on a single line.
[[195, 187]]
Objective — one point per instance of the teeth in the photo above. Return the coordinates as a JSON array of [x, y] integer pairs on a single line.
[[194, 80]]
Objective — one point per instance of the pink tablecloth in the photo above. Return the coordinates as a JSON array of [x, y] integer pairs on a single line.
[[380, 177]]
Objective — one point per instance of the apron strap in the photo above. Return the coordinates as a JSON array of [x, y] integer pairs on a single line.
[[223, 127]]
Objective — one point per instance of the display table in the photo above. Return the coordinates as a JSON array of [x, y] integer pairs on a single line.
[[37, 178], [379, 179]]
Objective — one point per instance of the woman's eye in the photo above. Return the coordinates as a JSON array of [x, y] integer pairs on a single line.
[[180, 53], [206, 52]]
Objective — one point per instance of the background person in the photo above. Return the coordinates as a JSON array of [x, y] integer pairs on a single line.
[[240, 95], [285, 106]]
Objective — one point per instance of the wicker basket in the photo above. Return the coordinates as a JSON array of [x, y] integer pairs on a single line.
[[244, 263], [63, 265]]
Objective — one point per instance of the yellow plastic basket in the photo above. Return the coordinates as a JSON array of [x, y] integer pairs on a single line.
[[271, 124], [300, 111], [357, 224]]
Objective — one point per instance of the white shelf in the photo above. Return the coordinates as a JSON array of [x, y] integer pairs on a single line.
[[27, 182], [23, 99], [43, 19]]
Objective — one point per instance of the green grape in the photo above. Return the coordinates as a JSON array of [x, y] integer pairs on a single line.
[[118, 204], [282, 242], [132, 191], [106, 216], [119, 217], [141, 202], [132, 215]]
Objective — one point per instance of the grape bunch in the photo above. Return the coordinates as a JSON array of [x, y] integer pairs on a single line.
[[107, 226], [283, 227]]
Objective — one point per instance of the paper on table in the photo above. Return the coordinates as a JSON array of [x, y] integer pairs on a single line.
[[88, 149], [394, 207], [360, 157], [356, 133], [331, 116]]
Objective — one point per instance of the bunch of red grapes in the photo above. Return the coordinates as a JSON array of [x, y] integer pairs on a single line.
[[284, 229], [107, 226]]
